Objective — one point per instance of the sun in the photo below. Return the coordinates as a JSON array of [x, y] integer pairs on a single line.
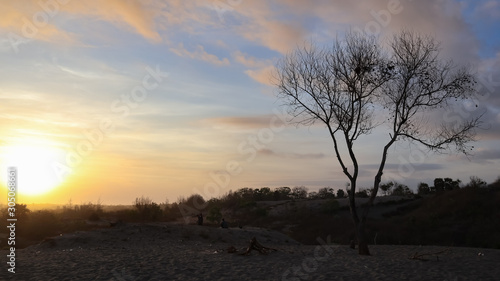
[[34, 165]]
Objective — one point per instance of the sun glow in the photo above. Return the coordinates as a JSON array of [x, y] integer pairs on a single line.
[[34, 164]]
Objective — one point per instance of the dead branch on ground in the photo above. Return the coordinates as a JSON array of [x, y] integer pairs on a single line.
[[254, 245]]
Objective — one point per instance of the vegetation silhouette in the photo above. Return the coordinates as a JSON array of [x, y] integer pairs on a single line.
[[464, 216]]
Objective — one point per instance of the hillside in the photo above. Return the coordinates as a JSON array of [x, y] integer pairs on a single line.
[[462, 217]]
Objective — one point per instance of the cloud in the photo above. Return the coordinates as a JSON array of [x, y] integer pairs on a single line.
[[249, 61], [269, 152], [262, 75], [245, 122], [277, 36], [260, 69], [39, 19], [140, 16], [488, 10], [23, 23], [396, 167], [487, 154], [199, 53]]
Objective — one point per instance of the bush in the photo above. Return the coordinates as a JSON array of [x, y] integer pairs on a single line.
[[40, 224], [361, 194], [82, 211], [476, 182], [340, 193], [171, 212], [148, 210], [423, 189], [214, 215]]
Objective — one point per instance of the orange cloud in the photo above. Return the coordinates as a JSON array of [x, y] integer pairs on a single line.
[[250, 61], [244, 122], [30, 22], [139, 15], [278, 36], [37, 19], [262, 75]]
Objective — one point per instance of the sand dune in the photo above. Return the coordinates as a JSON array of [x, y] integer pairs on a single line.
[[165, 251]]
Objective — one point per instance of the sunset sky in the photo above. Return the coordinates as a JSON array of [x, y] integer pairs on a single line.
[[111, 100]]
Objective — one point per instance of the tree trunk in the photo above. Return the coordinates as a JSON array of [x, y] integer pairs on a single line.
[[362, 241]]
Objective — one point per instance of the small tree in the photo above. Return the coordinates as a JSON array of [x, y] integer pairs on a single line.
[[326, 192], [344, 85], [282, 193], [340, 193], [423, 189], [476, 182], [299, 192], [312, 195], [263, 194], [401, 190], [438, 184]]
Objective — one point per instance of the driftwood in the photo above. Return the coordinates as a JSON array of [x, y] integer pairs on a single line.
[[254, 245], [418, 256]]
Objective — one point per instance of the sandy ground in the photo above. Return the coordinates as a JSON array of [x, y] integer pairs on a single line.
[[188, 252]]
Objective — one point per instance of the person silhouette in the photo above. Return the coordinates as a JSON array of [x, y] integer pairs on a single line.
[[200, 219], [223, 224]]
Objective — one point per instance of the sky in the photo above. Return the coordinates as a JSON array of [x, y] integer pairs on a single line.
[[112, 100]]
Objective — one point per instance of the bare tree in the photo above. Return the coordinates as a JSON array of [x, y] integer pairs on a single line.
[[349, 86]]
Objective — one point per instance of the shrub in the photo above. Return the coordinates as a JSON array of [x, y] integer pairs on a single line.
[[476, 182], [40, 224], [423, 189], [148, 210], [214, 214], [82, 211], [340, 193], [361, 194], [325, 193]]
